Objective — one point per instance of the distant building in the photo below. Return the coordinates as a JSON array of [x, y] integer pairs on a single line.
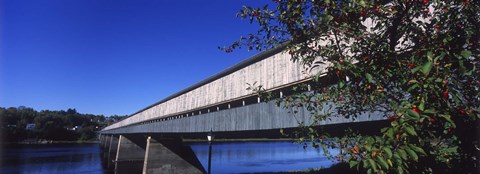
[[30, 126], [76, 127]]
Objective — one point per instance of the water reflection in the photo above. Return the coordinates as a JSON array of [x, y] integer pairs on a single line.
[[47, 159], [249, 157], [227, 157]]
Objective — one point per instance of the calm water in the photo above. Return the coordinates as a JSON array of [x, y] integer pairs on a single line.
[[232, 157], [251, 157], [49, 159]]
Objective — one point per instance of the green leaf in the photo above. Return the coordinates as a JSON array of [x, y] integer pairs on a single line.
[[412, 87], [466, 54], [399, 170], [426, 68], [394, 124], [412, 154], [397, 158], [413, 114], [353, 163], [469, 73], [311, 130], [449, 119], [414, 70], [329, 18], [388, 151], [410, 130], [461, 67], [369, 77], [383, 162], [422, 105], [456, 99], [430, 111], [390, 133], [417, 149], [430, 56], [402, 154], [441, 56], [373, 164]]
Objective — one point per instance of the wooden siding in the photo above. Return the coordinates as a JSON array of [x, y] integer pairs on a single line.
[[271, 72]]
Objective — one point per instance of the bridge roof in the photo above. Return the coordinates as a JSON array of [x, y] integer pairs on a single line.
[[258, 57]]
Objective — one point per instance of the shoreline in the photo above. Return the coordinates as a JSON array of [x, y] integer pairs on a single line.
[[239, 140], [50, 142]]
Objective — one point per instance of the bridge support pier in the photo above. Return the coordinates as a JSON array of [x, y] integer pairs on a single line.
[[100, 140], [130, 155], [112, 150], [103, 141], [170, 156]]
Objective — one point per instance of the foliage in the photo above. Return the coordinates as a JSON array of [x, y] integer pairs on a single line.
[[50, 125], [413, 61]]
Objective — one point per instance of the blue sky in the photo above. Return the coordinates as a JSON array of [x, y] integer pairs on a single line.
[[112, 56]]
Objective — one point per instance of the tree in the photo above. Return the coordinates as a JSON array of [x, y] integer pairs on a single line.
[[414, 61], [50, 125]]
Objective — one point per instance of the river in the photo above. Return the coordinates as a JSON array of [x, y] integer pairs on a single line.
[[227, 157]]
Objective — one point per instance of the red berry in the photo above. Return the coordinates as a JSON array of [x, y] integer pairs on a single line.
[[390, 117], [363, 13], [415, 109], [337, 72], [445, 95], [411, 65], [377, 9], [425, 2], [340, 98]]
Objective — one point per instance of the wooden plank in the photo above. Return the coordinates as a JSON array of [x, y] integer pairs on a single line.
[[271, 72]]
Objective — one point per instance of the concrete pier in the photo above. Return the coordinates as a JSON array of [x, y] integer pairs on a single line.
[[112, 150], [130, 154], [170, 156]]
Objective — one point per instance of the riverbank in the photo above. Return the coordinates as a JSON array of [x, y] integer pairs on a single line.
[[51, 142]]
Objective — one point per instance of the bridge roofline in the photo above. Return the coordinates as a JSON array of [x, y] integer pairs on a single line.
[[256, 58]]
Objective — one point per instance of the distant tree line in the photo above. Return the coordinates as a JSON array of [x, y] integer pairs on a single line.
[[24, 123]]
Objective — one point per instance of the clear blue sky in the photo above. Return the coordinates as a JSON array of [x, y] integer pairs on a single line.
[[112, 56]]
